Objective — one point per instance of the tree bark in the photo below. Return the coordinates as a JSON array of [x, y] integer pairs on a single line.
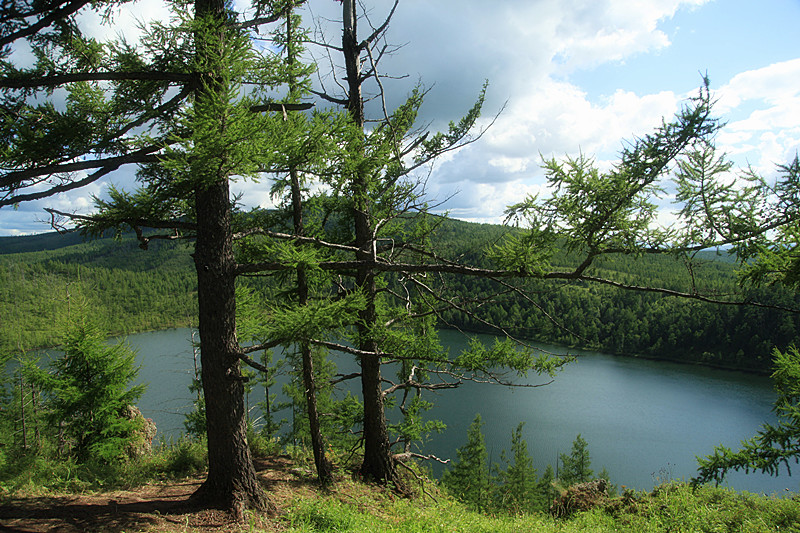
[[323, 465], [232, 483], [378, 464]]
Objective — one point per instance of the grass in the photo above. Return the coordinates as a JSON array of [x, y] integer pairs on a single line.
[[43, 472], [352, 506], [673, 507]]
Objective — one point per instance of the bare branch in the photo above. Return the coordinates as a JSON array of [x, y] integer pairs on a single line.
[[253, 364], [277, 106], [346, 349], [405, 456], [328, 98], [263, 346], [687, 295], [344, 377], [296, 238], [61, 79], [379, 31], [258, 21]]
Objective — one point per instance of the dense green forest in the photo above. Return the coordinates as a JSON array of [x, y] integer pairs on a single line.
[[128, 289], [632, 322], [133, 290]]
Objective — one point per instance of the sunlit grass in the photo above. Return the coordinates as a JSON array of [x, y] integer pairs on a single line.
[[676, 507]]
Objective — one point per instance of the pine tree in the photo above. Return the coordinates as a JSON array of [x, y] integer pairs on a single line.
[[546, 491], [575, 466], [517, 485], [89, 393], [469, 478]]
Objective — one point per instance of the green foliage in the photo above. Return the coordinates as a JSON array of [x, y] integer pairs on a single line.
[[269, 406], [46, 470], [195, 420], [517, 487], [134, 291], [674, 507], [413, 427], [594, 213], [773, 259], [775, 446], [575, 466], [116, 284], [468, 479], [185, 457], [89, 393], [506, 353]]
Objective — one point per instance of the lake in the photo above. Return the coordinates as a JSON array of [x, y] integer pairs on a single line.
[[645, 421]]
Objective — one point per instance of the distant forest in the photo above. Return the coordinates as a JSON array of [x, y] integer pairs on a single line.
[[43, 277]]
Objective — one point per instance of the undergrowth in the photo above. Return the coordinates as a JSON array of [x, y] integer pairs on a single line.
[[37, 472], [673, 507], [352, 506]]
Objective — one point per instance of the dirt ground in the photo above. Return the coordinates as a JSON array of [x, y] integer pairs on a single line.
[[151, 508]]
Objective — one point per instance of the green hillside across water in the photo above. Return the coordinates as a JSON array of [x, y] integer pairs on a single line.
[[43, 276]]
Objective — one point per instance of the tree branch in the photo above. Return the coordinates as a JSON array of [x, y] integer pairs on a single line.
[[687, 295], [143, 155], [377, 33], [74, 77], [69, 9], [276, 106], [133, 222]]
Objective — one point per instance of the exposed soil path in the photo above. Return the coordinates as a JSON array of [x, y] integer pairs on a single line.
[[151, 508]]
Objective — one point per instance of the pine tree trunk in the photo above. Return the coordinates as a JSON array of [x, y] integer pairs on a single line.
[[324, 467], [232, 483], [378, 464]]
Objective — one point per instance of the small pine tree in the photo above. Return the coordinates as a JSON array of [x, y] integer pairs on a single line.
[[89, 395], [546, 490], [269, 405], [517, 486], [612, 489], [469, 478], [575, 466]]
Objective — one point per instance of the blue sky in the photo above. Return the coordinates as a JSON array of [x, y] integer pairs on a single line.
[[575, 75]]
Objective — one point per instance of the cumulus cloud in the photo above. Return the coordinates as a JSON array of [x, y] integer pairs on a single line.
[[762, 108], [529, 52]]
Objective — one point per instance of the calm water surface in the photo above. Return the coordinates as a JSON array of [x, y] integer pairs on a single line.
[[645, 421]]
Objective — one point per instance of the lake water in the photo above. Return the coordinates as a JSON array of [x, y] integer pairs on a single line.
[[645, 421]]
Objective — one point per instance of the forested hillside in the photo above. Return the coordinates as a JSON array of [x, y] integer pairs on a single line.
[[135, 290], [633, 322], [129, 289]]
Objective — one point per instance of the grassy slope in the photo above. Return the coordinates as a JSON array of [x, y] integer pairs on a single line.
[[350, 506]]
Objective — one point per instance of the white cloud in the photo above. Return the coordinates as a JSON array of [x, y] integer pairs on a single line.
[[774, 84], [528, 51], [762, 108], [485, 203], [559, 119], [125, 19]]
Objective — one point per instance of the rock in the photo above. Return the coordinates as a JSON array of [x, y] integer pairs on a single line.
[[141, 442]]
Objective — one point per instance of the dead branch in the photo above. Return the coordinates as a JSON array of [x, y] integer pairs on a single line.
[[344, 377]]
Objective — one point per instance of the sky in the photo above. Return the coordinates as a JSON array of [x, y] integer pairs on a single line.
[[566, 76]]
